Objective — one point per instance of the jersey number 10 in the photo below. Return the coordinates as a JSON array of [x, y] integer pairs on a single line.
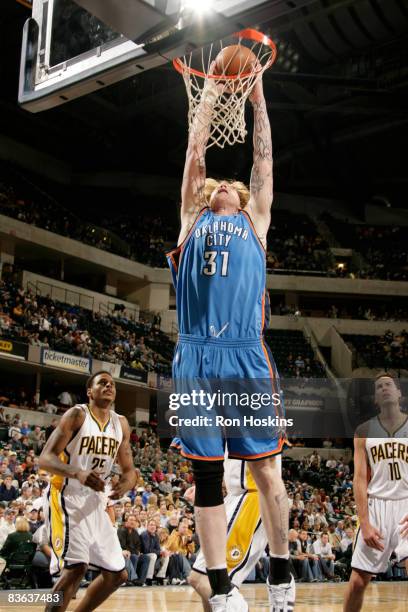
[[395, 473]]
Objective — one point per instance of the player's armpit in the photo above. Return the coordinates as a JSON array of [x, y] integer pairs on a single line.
[[49, 458]]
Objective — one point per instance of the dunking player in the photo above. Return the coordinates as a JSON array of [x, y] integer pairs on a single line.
[[80, 454], [380, 491], [219, 275]]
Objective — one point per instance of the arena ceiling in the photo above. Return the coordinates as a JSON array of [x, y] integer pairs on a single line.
[[337, 101]]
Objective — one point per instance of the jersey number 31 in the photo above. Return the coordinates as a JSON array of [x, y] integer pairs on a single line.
[[213, 261]]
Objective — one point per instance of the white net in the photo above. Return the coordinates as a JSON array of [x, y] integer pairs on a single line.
[[226, 114]]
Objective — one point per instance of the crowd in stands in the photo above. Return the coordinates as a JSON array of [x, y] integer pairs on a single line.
[[383, 312], [294, 242], [383, 248], [389, 351], [353, 310], [295, 245], [293, 355], [155, 521], [41, 321], [140, 238]]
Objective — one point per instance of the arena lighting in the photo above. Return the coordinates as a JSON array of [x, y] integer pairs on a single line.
[[199, 7]]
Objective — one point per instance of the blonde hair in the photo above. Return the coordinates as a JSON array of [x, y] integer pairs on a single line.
[[241, 188], [22, 524]]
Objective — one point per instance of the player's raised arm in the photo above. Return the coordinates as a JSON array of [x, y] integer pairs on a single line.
[[371, 536], [50, 460], [261, 184], [192, 190], [125, 459]]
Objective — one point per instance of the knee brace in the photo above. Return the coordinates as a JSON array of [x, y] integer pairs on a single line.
[[208, 480]]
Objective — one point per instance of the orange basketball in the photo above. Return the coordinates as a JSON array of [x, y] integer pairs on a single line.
[[235, 59]]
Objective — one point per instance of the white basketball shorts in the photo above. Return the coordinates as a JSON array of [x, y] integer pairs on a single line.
[[385, 515]]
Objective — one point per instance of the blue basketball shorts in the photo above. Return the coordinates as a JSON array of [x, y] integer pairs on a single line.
[[227, 396]]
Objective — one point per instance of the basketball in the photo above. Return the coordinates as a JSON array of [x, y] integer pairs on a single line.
[[235, 59]]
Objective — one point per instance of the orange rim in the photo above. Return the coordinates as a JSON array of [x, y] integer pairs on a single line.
[[248, 34]]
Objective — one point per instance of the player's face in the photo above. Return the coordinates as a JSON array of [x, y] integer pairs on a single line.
[[386, 392], [103, 389], [224, 196]]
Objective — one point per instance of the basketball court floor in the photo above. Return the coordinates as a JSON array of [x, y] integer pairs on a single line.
[[392, 596]]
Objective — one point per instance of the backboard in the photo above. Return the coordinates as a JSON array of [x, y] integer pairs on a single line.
[[71, 48]]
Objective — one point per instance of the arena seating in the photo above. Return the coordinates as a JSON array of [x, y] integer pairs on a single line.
[[295, 246], [383, 248], [387, 351], [293, 354], [42, 321]]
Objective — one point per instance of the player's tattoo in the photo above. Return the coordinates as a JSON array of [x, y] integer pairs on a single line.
[[262, 132], [282, 503], [257, 181], [261, 175]]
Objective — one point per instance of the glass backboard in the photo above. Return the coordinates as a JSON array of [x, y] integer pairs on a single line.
[[71, 48]]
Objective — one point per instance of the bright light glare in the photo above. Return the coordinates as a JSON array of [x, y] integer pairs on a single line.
[[199, 6]]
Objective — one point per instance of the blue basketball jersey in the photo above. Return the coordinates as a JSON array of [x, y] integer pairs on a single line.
[[219, 274]]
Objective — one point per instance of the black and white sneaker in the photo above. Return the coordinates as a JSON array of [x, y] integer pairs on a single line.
[[232, 602], [282, 596]]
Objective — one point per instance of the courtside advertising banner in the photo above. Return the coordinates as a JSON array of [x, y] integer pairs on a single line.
[[74, 363], [134, 375], [18, 350]]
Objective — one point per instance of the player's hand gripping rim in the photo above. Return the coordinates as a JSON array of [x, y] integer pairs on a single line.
[[372, 537]]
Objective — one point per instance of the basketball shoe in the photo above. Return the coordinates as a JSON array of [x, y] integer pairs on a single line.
[[232, 602], [282, 596]]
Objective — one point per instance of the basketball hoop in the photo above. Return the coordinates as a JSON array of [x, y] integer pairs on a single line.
[[228, 112]]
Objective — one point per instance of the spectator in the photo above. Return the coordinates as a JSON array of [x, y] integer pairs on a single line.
[[181, 544], [323, 550], [311, 568], [131, 545], [165, 555], [42, 558], [8, 524], [51, 428], [151, 548], [21, 535], [48, 407], [7, 491], [37, 439]]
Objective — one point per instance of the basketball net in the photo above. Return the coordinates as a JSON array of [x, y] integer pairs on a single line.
[[228, 93]]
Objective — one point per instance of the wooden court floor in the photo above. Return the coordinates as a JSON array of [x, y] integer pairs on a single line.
[[389, 596]]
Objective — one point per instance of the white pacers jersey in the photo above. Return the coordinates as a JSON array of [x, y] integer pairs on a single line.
[[93, 447], [387, 454]]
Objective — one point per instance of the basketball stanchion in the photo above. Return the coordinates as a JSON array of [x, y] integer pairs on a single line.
[[231, 71]]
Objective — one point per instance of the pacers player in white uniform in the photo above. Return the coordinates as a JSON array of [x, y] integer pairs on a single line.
[[380, 490], [80, 454]]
